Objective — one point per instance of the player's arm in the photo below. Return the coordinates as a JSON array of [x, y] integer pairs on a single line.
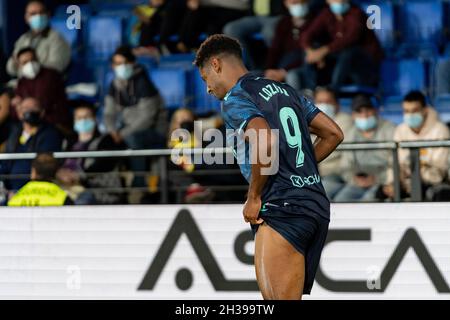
[[262, 144], [328, 133]]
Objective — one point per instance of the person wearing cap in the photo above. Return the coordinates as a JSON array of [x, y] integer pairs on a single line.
[[365, 171], [330, 169], [420, 123]]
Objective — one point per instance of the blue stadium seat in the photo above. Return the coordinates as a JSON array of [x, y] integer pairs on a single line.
[[172, 84], [442, 102], [386, 32], [202, 102], [104, 35], [398, 77], [61, 11], [421, 21], [184, 60], [395, 116], [442, 106], [71, 36]]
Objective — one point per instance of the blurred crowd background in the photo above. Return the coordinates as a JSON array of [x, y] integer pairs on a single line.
[[123, 79]]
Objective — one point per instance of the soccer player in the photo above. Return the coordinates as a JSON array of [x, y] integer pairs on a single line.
[[288, 209]]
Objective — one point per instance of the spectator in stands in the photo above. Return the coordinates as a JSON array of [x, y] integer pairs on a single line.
[[31, 134], [184, 118], [285, 53], [208, 16], [264, 15], [5, 119], [164, 23], [47, 86], [421, 122], [341, 47], [365, 171], [77, 175], [41, 191], [51, 48], [330, 169], [134, 110]]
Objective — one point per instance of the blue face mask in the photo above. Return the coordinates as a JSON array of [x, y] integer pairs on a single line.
[[124, 71], [366, 124], [413, 120], [84, 126], [339, 8], [299, 10], [38, 22]]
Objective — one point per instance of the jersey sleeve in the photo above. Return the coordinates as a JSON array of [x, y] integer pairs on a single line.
[[239, 110], [309, 108]]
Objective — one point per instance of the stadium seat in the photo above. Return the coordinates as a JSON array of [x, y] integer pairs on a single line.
[[442, 106], [61, 11], [184, 60], [104, 36], [386, 32], [172, 84], [398, 77], [71, 36], [442, 102], [421, 21], [395, 116]]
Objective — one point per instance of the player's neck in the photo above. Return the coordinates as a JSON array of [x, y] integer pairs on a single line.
[[236, 74]]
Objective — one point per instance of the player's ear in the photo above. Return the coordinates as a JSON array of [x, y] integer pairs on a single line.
[[216, 64]]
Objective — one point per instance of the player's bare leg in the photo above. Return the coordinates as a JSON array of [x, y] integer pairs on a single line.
[[280, 268]]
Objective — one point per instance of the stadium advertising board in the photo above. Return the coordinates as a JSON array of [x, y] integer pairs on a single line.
[[382, 251]]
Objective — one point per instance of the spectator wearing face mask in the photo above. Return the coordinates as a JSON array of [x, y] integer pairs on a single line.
[[420, 122], [286, 53], [79, 175], [365, 171], [340, 49], [47, 86], [134, 110], [31, 134], [51, 48], [330, 169]]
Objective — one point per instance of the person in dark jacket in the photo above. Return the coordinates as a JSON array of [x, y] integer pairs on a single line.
[[134, 110], [46, 85], [80, 175], [286, 53], [340, 49], [32, 134]]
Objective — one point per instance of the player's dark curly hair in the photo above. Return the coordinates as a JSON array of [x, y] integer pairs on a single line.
[[215, 45]]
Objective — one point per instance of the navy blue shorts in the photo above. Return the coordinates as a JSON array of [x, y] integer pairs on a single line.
[[306, 232]]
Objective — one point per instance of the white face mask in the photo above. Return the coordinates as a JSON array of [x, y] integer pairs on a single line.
[[299, 10], [30, 70], [327, 108]]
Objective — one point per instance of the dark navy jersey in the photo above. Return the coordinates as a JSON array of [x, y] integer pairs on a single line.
[[297, 181]]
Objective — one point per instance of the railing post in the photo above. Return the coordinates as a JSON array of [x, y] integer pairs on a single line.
[[416, 181], [396, 171], [164, 185]]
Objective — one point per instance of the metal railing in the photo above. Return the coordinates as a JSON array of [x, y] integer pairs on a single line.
[[163, 154]]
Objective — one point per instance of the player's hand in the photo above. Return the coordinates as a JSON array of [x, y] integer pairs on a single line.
[[251, 210]]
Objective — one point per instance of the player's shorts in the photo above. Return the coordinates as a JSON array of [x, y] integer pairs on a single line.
[[305, 231]]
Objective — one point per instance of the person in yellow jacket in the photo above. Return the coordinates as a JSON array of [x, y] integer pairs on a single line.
[[41, 191]]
